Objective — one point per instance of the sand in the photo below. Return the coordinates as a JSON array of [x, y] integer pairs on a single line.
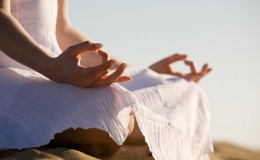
[[223, 151]]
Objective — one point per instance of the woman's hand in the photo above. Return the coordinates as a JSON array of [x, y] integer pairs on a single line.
[[194, 75], [163, 66], [66, 68]]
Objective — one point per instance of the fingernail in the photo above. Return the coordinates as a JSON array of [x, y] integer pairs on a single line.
[[111, 62], [98, 45], [123, 65], [128, 78]]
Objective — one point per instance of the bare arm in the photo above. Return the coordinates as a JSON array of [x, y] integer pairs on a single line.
[[26, 51], [68, 35], [19, 45]]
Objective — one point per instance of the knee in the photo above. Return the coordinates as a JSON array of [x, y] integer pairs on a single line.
[[91, 141], [131, 123], [110, 147]]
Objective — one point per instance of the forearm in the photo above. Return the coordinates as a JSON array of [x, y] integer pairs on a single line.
[[18, 44]]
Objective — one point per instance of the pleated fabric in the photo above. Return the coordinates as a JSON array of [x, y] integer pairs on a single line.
[[33, 109], [171, 112]]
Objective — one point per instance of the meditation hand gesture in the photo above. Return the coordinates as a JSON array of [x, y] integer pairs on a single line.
[[163, 66], [66, 68]]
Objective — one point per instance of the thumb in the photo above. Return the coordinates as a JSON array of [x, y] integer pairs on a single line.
[[75, 50], [174, 58]]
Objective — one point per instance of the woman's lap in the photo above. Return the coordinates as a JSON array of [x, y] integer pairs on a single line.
[[42, 108], [162, 109]]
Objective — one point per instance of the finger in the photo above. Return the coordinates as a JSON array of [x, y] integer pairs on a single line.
[[196, 78], [86, 76], [120, 79], [191, 65], [205, 69], [174, 58], [75, 50], [103, 55], [123, 79], [99, 70], [111, 78], [88, 83], [209, 70], [178, 74], [115, 75]]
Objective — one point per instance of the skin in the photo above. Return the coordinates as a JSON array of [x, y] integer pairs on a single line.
[[164, 67], [64, 68], [84, 64], [67, 35]]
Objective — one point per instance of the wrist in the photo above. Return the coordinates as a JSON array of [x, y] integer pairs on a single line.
[[45, 63], [47, 67]]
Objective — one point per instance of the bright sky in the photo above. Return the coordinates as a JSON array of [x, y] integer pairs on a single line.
[[223, 33]]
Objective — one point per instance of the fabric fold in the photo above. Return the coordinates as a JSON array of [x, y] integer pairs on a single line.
[[40, 108]]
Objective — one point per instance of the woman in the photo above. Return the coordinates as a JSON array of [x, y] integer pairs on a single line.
[[165, 113]]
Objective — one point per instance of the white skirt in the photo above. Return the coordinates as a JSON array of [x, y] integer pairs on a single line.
[[171, 112]]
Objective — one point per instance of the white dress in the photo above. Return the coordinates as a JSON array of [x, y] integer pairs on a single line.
[[171, 112]]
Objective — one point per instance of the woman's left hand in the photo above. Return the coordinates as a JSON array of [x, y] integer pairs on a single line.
[[163, 67]]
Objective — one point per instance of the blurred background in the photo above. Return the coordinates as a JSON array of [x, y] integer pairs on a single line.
[[223, 33]]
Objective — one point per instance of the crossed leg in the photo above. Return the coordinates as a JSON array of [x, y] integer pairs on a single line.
[[96, 142]]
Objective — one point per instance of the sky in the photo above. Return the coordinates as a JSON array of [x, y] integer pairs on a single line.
[[223, 33]]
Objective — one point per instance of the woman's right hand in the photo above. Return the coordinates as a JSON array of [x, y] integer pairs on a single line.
[[66, 68]]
